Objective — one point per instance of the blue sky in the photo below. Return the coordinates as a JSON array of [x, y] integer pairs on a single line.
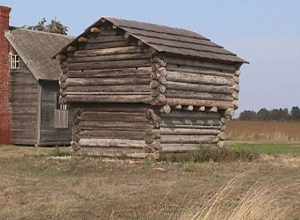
[[266, 33]]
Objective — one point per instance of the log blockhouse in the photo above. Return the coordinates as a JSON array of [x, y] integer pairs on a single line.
[[141, 89]]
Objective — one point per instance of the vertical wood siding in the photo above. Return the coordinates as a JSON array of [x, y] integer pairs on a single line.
[[49, 135], [24, 105]]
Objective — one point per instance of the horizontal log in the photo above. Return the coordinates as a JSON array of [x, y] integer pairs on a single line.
[[109, 64], [105, 39], [179, 148], [109, 88], [108, 51], [108, 99], [114, 153], [116, 107], [114, 125], [91, 46], [189, 139], [142, 72], [106, 81], [113, 116], [111, 93], [198, 78], [96, 142], [193, 95], [188, 131], [208, 103], [115, 57], [198, 87], [130, 135], [231, 68]]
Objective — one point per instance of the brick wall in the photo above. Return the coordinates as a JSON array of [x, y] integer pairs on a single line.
[[5, 116]]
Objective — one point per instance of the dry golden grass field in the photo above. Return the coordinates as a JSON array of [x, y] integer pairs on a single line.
[[264, 131], [41, 183]]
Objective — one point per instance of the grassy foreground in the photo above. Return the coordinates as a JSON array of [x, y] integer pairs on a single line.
[[37, 185]]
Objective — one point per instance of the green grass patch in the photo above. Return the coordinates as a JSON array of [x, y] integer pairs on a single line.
[[270, 149], [205, 154]]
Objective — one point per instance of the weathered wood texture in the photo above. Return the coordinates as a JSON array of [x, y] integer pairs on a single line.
[[107, 68], [116, 129], [24, 106], [182, 131], [199, 83], [49, 135]]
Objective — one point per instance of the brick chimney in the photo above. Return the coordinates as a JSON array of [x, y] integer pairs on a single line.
[[5, 115]]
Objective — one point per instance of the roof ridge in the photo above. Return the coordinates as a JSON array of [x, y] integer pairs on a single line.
[[109, 18], [42, 32]]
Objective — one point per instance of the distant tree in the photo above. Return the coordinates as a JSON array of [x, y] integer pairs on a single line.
[[281, 114], [263, 114], [295, 113], [54, 26], [248, 115]]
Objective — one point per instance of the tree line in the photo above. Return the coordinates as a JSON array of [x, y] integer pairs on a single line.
[[281, 114]]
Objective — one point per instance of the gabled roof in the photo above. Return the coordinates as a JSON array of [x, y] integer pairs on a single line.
[[36, 49], [170, 40]]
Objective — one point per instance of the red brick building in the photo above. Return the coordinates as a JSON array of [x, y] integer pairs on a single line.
[[5, 118]]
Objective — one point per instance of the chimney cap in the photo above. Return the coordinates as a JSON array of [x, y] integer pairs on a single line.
[[4, 11]]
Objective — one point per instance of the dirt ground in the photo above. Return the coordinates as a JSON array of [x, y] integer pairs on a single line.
[[35, 184]]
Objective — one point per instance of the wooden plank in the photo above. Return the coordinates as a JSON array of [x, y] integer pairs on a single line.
[[130, 135], [115, 57], [91, 46], [198, 95], [106, 81], [108, 51], [199, 70], [105, 39], [198, 87], [109, 99], [197, 78], [109, 88], [96, 142], [113, 116], [113, 125], [109, 64], [189, 139], [179, 148], [142, 72], [188, 131], [111, 93], [202, 64], [113, 153]]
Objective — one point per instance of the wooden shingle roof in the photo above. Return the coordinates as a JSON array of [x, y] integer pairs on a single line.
[[36, 49], [171, 40]]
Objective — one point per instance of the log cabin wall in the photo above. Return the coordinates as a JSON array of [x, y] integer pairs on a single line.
[[24, 105], [201, 83], [49, 135], [114, 130], [185, 131], [107, 68], [186, 85]]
